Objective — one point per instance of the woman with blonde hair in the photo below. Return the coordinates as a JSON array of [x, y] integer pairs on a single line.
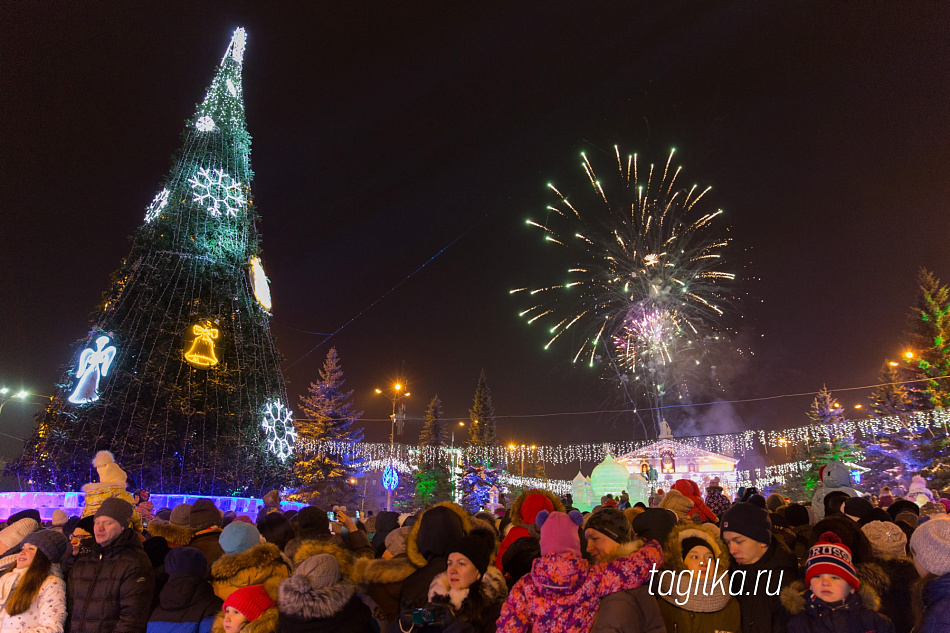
[[33, 593]]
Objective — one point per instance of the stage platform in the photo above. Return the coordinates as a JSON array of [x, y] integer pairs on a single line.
[[72, 503]]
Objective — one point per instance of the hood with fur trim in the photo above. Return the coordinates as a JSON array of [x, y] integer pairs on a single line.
[[492, 587], [269, 622], [382, 571], [263, 564], [519, 521], [412, 545], [793, 597], [673, 547], [310, 548], [624, 550], [300, 599], [176, 535]]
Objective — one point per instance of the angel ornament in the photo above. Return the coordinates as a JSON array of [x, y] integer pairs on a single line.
[[93, 365]]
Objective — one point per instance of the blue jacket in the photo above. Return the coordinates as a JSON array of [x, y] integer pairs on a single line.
[[936, 605]]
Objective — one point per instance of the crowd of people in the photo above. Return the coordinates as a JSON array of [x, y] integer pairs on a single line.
[[684, 562]]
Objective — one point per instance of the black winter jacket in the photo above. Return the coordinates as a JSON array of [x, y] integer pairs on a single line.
[[759, 602], [185, 599], [110, 590]]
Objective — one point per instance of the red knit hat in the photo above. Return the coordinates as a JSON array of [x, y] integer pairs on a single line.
[[251, 602], [534, 503], [830, 556]]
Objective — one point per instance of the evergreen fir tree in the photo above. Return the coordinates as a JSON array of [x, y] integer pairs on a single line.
[[433, 434], [930, 338], [893, 459], [476, 485], [325, 462], [433, 482], [826, 411], [178, 374], [891, 397], [482, 415]]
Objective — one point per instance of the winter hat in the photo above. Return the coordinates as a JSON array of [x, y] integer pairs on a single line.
[[533, 503], [918, 486], [312, 522], [109, 471], [690, 542], [930, 545], [887, 539], [439, 527], [396, 540], [774, 501], [833, 501], [204, 514], [654, 524], [796, 515], [118, 509], [25, 514], [559, 532], [903, 505], [611, 523], [186, 561], [156, 548], [50, 542], [676, 502], [165, 514], [907, 517], [830, 556], [757, 500], [713, 482], [59, 518], [520, 556], [181, 516], [244, 519], [475, 549], [238, 537], [322, 569], [858, 507], [14, 533], [227, 517], [748, 520], [886, 490], [877, 514], [71, 524], [930, 509], [272, 499], [87, 524], [250, 601]]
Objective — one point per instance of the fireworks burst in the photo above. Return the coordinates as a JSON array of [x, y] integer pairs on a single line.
[[645, 287]]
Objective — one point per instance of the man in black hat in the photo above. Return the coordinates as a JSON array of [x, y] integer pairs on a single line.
[[112, 589], [609, 536], [766, 566]]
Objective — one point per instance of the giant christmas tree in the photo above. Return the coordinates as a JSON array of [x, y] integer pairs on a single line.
[[178, 375]]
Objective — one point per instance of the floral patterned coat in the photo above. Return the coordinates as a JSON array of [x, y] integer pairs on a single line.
[[47, 613], [563, 591]]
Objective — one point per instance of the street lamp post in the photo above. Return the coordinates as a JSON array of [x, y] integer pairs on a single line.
[[4, 398], [399, 393]]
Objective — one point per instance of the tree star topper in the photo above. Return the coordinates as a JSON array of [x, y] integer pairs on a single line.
[[278, 425]]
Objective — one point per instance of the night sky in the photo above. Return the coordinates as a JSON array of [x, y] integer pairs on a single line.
[[383, 135]]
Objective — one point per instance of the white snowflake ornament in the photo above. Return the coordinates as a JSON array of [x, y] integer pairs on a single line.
[[278, 424], [216, 189]]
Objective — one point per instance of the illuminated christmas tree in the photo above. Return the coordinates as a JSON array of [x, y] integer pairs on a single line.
[[179, 375]]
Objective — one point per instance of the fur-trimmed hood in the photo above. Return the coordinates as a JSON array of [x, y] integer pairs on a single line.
[[519, 521], [382, 571], [673, 547], [412, 545], [176, 535], [492, 587], [269, 622], [310, 548], [263, 556], [793, 597], [299, 598], [624, 550]]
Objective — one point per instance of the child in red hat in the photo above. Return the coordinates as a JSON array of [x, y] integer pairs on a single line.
[[249, 610], [835, 599]]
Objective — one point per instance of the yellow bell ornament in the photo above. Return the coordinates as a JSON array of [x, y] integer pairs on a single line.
[[202, 353]]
